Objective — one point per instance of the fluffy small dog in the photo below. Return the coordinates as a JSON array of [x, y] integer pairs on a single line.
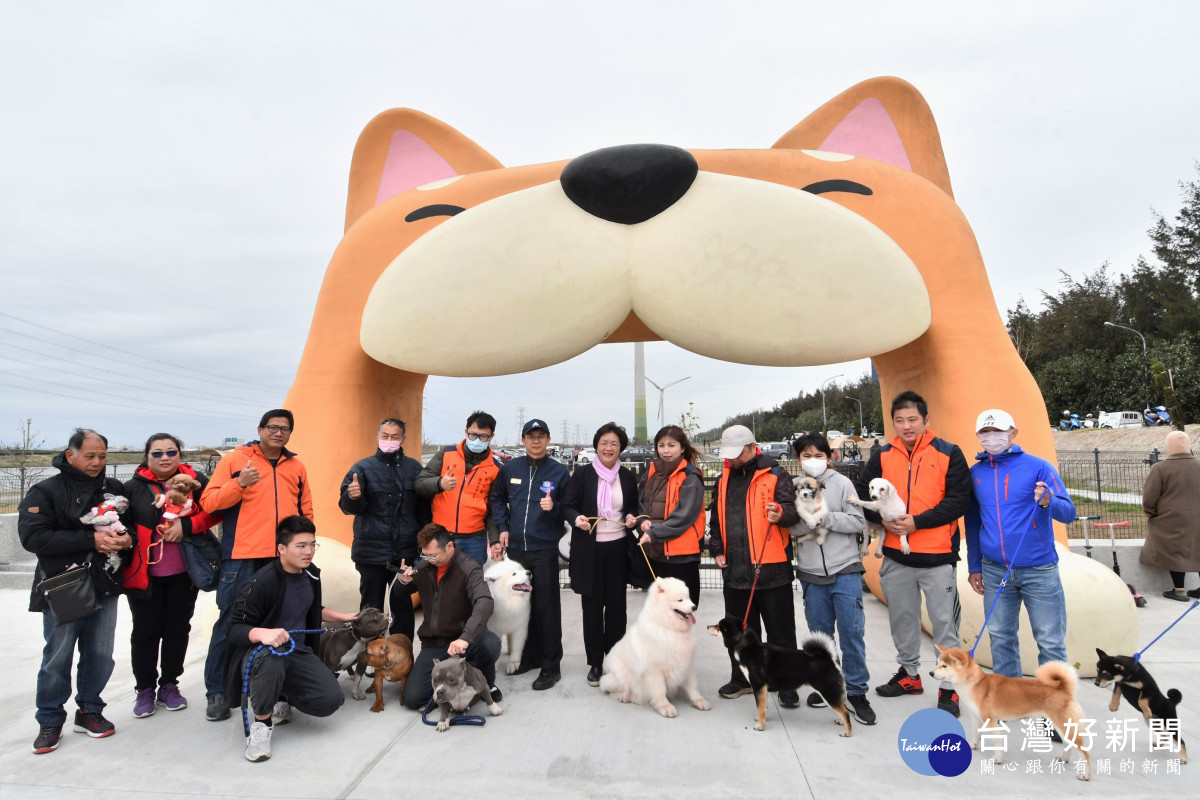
[[654, 657], [810, 505], [885, 502], [993, 698], [509, 584], [177, 501], [1132, 680], [104, 519]]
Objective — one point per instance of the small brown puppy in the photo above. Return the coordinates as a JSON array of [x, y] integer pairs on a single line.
[[391, 658]]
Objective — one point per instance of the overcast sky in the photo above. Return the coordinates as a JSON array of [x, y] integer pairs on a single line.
[[173, 178]]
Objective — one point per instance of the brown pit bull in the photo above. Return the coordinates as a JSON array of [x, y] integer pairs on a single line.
[[392, 659]]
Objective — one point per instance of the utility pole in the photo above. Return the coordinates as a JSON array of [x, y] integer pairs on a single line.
[[520, 419], [566, 432]]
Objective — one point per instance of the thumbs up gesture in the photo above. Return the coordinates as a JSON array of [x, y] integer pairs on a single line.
[[354, 490], [546, 503], [249, 475]]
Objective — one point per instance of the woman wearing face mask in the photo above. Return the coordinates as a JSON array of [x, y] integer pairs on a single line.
[[600, 497], [831, 574], [161, 595], [671, 500], [378, 492]]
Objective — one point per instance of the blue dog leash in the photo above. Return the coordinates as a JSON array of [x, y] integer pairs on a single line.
[[1138, 655], [246, 676], [1000, 589], [466, 719]]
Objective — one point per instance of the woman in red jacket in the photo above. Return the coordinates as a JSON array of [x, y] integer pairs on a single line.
[[161, 595]]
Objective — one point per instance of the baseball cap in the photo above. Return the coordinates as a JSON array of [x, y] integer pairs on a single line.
[[994, 418], [534, 424], [733, 440]]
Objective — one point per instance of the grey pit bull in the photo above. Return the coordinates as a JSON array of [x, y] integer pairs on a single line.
[[456, 685], [346, 648]]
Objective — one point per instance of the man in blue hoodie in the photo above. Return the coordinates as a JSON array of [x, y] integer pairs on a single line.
[[526, 502], [1015, 496]]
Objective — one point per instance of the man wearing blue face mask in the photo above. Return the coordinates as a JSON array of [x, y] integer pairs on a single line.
[[458, 480], [1015, 495]]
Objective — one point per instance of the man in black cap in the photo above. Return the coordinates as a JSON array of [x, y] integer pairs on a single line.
[[526, 504]]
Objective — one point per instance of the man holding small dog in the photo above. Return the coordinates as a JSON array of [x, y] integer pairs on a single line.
[[932, 478], [1015, 496], [283, 596], [457, 606]]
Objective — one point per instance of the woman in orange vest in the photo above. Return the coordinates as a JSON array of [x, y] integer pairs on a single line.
[[671, 500]]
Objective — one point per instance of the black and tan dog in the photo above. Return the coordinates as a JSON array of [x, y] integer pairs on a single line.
[[346, 648], [770, 668], [1133, 681]]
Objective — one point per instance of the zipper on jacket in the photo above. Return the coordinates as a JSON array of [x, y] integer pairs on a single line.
[[996, 492], [528, 498]]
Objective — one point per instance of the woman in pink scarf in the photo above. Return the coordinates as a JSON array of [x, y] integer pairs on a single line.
[[599, 497]]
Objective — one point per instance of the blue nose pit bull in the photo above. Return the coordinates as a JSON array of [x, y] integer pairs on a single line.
[[456, 685]]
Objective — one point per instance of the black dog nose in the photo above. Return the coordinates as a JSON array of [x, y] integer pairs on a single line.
[[630, 183]]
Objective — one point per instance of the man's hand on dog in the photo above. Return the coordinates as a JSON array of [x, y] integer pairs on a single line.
[[108, 542], [354, 491], [457, 647], [248, 476], [272, 637], [901, 526]]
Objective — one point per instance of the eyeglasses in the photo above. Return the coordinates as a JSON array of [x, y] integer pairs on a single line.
[[306, 547], [432, 557], [167, 453], [279, 429], [483, 437]]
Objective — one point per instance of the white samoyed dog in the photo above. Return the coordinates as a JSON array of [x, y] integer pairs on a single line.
[[654, 657], [509, 584]]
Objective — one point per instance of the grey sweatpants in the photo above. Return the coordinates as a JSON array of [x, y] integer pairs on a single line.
[[902, 589]]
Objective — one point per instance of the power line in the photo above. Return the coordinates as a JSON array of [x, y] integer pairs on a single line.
[[102, 401]]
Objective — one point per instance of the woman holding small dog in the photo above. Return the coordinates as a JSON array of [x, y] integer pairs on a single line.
[[672, 510], [161, 595], [599, 497], [831, 573]]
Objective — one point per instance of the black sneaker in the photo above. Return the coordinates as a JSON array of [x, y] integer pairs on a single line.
[[789, 698], [860, 707], [593, 676], [734, 689], [94, 725], [218, 709], [545, 680], [816, 701], [901, 683], [47, 739], [948, 701], [497, 695]]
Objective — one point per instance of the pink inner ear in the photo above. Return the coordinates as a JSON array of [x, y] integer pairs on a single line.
[[410, 162], [868, 131]]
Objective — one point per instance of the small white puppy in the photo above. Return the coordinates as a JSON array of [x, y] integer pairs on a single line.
[[887, 503], [509, 584], [810, 505]]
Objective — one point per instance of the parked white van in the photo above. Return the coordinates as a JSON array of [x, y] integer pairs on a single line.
[[1120, 419]]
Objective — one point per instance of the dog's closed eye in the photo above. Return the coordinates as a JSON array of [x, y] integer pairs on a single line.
[[439, 210], [837, 185]]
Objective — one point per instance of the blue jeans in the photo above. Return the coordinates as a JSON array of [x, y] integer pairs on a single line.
[[841, 602], [474, 544], [1041, 590], [94, 636], [235, 574]]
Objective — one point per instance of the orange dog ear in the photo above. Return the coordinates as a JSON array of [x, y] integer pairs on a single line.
[[886, 119], [401, 149]]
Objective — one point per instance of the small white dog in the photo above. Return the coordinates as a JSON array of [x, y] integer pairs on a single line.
[[888, 505], [654, 657], [508, 582], [810, 505]]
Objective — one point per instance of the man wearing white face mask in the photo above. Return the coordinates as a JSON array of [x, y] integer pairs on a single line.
[[379, 493], [1015, 495]]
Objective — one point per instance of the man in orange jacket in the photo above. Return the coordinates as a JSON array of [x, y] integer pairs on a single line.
[[255, 485], [931, 476]]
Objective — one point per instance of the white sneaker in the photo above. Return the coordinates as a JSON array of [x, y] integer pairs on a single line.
[[281, 714], [258, 743]]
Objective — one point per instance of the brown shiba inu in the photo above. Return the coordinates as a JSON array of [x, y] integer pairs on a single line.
[[993, 698]]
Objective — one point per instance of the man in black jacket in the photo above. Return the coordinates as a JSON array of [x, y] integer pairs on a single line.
[[378, 491], [457, 606], [49, 526], [283, 596]]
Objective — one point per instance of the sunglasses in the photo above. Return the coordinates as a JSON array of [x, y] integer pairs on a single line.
[[167, 453]]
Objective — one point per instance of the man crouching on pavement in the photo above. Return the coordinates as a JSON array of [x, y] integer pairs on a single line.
[[283, 596]]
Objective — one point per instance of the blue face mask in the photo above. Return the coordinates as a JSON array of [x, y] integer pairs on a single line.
[[476, 445]]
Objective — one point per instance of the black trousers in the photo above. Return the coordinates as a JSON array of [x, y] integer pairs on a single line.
[[604, 612], [688, 572], [373, 582], [543, 647], [161, 624], [301, 677], [775, 607]]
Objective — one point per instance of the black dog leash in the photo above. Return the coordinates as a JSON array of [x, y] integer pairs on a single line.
[[466, 719]]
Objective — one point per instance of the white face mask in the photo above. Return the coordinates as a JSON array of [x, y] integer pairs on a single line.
[[994, 442], [813, 467]]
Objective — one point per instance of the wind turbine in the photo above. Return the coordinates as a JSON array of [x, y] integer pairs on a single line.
[[661, 391]]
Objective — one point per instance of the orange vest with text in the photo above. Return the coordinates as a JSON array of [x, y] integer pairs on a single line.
[[760, 492], [464, 508]]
